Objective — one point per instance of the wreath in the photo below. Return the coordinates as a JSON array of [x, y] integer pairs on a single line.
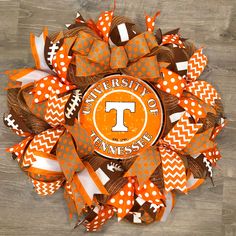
[[116, 116]]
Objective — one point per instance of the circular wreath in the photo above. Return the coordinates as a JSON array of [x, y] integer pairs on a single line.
[[45, 105]]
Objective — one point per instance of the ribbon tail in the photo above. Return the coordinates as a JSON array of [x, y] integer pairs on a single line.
[[196, 65], [173, 171]]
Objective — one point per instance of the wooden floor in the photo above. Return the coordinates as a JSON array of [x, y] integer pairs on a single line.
[[206, 211]]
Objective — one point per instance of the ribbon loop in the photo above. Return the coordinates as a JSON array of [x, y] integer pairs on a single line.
[[94, 56], [99, 52], [119, 58], [83, 43]]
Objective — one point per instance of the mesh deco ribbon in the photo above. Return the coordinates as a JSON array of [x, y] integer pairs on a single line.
[[60, 150]]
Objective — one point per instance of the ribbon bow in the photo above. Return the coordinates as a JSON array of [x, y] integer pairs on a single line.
[[94, 56]]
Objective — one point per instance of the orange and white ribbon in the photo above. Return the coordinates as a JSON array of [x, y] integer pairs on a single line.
[[150, 21], [37, 47], [88, 184]]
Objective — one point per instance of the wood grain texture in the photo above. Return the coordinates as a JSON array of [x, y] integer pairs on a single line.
[[206, 211]]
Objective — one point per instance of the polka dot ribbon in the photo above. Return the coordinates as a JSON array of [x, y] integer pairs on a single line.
[[172, 39], [101, 214], [43, 88], [144, 165], [124, 200], [52, 84], [104, 24], [94, 56], [150, 21]]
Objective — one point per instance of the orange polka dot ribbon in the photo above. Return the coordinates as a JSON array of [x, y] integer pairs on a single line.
[[150, 21], [50, 84], [104, 24], [94, 56], [131, 193], [19, 148], [101, 214], [171, 83], [172, 39], [144, 165]]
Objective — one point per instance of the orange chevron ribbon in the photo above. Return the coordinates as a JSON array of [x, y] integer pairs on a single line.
[[177, 139], [173, 170], [19, 148], [44, 142], [196, 65], [204, 91], [46, 188], [182, 133], [54, 114]]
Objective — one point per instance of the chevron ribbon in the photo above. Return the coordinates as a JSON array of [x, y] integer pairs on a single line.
[[196, 65], [44, 142], [46, 188], [204, 91], [173, 171], [54, 114], [182, 133]]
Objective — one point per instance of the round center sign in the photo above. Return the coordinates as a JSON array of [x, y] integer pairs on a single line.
[[123, 115]]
